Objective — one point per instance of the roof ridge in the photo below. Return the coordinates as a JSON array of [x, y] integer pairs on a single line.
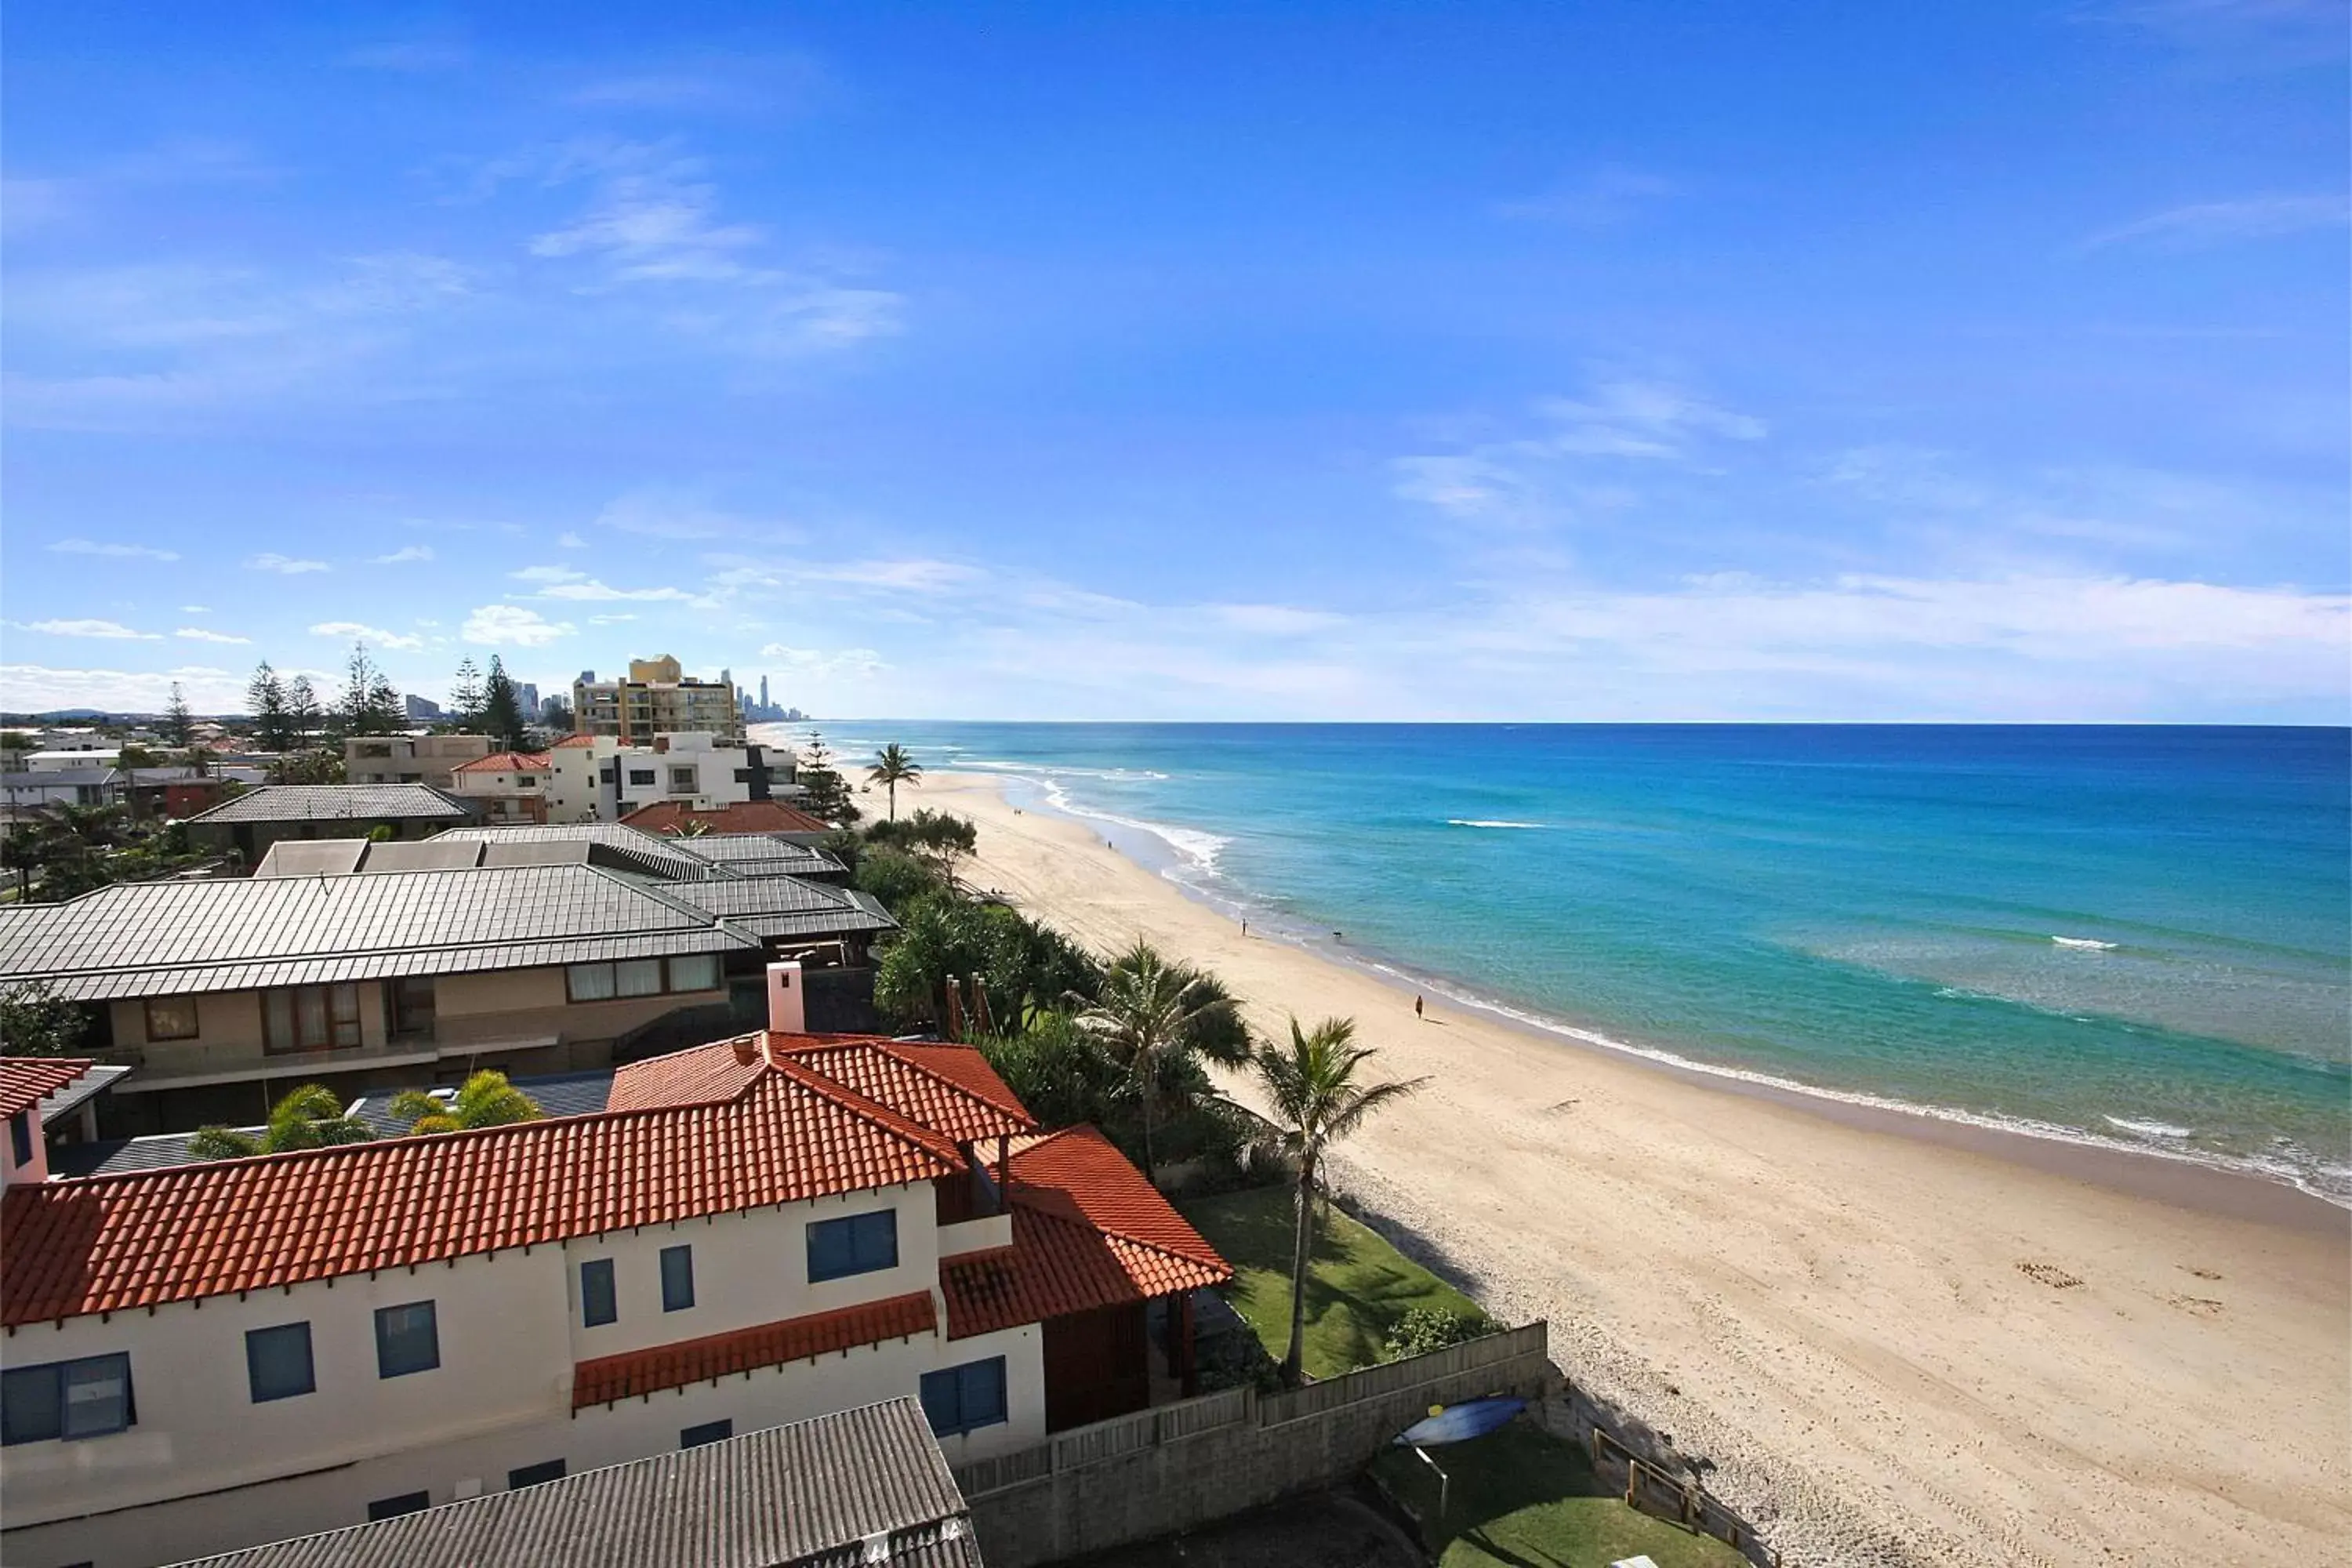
[[898, 1123], [887, 1048]]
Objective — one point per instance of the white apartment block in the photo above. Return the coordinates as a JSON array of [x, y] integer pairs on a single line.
[[597, 778], [757, 1231]]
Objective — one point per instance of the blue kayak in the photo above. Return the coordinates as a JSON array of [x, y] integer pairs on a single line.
[[1459, 1423]]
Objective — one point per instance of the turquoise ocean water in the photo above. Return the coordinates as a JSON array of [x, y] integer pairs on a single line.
[[2141, 936]]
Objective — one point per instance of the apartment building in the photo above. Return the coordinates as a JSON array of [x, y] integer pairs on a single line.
[[507, 786], [429, 760], [598, 778], [656, 697], [757, 1231]]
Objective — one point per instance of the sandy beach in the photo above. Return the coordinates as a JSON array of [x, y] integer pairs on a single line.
[[1897, 1342]]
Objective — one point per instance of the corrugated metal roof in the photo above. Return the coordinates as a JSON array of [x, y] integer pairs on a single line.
[[770, 855], [161, 939], [313, 857], [804, 1496], [56, 777], [639, 851], [323, 802]]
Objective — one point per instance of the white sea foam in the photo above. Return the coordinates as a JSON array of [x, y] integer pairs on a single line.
[[1198, 849], [1475, 822], [2088, 944], [2147, 1129]]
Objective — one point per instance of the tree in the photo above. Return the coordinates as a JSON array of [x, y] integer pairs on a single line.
[[34, 1021], [359, 712], [1317, 1102], [138, 757], [310, 1117], [466, 696], [501, 715], [486, 1100], [304, 719], [940, 838], [892, 767], [1145, 1010], [266, 695], [70, 846], [555, 714], [177, 720]]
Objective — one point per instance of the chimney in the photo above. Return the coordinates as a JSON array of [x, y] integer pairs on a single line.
[[787, 1008]]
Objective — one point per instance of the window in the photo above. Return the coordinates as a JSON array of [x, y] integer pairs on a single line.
[[858, 1244], [310, 1017], [533, 1475], [524, 781], [588, 982], [393, 1507], [641, 775], [677, 1279], [598, 1307], [277, 1362], [682, 781], [407, 1338], [965, 1398], [637, 977], [640, 977], [171, 1017], [20, 1138], [708, 1432], [68, 1399], [698, 972], [412, 998]]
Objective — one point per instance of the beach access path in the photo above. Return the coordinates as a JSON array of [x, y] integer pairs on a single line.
[[1893, 1344]]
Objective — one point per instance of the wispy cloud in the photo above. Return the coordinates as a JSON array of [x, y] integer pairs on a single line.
[[39, 685], [122, 552], [1604, 198], [198, 633], [376, 635], [195, 609], [569, 540], [406, 553], [84, 628], [2204, 224], [609, 620], [1273, 620], [826, 663], [2246, 35], [513, 626], [414, 56], [285, 565]]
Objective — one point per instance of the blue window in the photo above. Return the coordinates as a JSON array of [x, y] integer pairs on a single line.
[[85, 1398], [407, 1338], [858, 1244], [708, 1432], [965, 1398], [393, 1507], [277, 1362], [20, 1137], [677, 1279], [597, 1304], [533, 1475]]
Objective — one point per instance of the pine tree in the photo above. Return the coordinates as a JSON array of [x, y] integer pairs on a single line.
[[303, 716], [266, 695], [360, 712], [466, 697], [177, 719], [501, 715], [386, 712]]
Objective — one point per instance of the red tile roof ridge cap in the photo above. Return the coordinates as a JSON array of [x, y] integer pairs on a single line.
[[888, 1048], [1013, 1188], [1009, 1104], [897, 1124]]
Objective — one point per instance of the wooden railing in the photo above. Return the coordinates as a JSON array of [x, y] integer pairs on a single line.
[[1653, 1490]]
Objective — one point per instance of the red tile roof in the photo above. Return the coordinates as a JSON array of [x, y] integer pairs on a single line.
[[148, 1238], [1087, 1231], [951, 1090], [507, 763], [26, 1081], [740, 816], [574, 741], [627, 1376]]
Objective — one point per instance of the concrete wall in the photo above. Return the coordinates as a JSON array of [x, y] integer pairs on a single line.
[[1158, 1471], [510, 1333]]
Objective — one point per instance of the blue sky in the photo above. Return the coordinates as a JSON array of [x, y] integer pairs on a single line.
[[1162, 362]]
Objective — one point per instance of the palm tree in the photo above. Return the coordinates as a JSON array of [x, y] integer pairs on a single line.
[[488, 1099], [310, 1117], [892, 767], [1146, 1010], [1317, 1103]]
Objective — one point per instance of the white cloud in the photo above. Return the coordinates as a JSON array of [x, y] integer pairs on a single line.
[[596, 591], [494, 625], [375, 634], [96, 547], [406, 552], [569, 540], [37, 687], [2200, 225], [198, 633], [661, 514], [286, 565], [85, 629], [195, 609], [609, 620], [548, 574], [1273, 620], [822, 664]]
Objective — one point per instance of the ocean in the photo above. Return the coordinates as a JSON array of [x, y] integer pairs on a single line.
[[2120, 935]]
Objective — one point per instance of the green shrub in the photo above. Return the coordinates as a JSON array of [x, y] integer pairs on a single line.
[[1426, 1328]]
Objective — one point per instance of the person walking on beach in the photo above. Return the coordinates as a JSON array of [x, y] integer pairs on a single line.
[[1416, 1008]]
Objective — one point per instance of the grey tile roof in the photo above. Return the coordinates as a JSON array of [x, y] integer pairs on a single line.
[[625, 845], [313, 858], [758, 854], [58, 778], [807, 1495], [322, 802], [785, 907], [158, 938], [85, 1088]]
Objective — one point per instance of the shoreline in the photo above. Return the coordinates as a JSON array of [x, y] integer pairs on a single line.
[[2221, 1186], [1895, 1341]]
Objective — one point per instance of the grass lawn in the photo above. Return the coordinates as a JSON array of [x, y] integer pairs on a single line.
[[1526, 1499], [1358, 1287]]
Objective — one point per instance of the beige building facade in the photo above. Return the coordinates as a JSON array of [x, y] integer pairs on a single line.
[[656, 698], [410, 759]]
